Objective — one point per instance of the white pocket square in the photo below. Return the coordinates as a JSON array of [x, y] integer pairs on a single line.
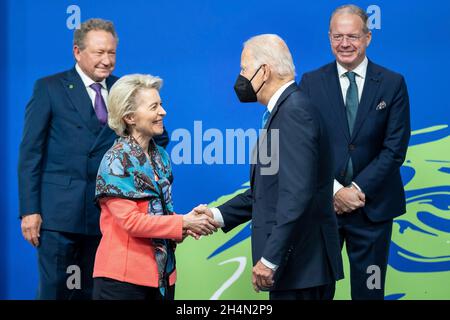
[[381, 105]]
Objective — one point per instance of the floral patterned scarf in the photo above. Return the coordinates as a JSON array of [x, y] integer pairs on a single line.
[[125, 172]]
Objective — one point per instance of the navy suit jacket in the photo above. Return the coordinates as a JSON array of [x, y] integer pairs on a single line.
[[61, 149], [380, 136], [293, 224]]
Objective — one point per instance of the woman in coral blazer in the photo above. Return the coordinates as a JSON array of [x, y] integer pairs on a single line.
[[135, 258]]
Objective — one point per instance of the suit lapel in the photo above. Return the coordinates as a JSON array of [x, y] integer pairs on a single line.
[[286, 93], [336, 100], [78, 96], [293, 87], [371, 85]]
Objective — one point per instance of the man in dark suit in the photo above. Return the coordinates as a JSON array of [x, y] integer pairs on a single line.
[[295, 243], [64, 139], [366, 111]]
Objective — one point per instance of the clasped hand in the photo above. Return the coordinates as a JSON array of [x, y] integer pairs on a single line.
[[348, 199], [199, 222]]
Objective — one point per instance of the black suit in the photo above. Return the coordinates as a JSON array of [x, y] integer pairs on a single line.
[[62, 146], [377, 147], [293, 223]]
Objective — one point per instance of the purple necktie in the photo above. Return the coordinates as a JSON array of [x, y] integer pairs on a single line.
[[99, 105]]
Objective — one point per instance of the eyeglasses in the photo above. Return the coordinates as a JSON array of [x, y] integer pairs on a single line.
[[350, 37]]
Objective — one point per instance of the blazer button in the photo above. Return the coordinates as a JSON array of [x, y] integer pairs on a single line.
[[351, 147]]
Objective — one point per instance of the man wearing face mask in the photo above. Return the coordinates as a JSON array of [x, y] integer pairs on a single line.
[[295, 244]]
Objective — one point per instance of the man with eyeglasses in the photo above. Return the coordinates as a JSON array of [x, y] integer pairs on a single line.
[[366, 111]]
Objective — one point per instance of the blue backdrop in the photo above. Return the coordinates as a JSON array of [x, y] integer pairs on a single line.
[[195, 47]]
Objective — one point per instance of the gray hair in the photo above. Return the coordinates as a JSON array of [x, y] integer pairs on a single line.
[[92, 24], [272, 50], [352, 9], [122, 98]]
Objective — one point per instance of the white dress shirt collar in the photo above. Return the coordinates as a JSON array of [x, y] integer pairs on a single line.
[[86, 80], [360, 70], [274, 99]]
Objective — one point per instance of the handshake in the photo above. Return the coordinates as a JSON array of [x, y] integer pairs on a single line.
[[199, 222]]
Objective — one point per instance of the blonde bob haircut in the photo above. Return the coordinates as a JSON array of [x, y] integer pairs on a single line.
[[122, 96]]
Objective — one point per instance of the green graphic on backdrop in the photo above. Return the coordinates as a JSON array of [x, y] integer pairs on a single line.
[[219, 266]]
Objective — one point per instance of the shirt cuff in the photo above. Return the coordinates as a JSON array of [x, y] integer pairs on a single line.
[[269, 264], [218, 217], [356, 186], [336, 187]]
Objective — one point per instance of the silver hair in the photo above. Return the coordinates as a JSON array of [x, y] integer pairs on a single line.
[[92, 24], [272, 50], [352, 9], [122, 98]]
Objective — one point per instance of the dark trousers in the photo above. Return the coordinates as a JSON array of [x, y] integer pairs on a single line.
[[66, 262], [314, 293], [110, 289], [367, 245]]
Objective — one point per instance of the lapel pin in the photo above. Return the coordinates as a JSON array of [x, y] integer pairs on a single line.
[[70, 86]]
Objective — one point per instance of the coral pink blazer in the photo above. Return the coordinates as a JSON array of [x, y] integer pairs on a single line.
[[125, 252]]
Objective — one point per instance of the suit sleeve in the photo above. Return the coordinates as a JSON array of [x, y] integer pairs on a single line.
[[32, 147], [395, 145], [298, 174], [163, 140], [237, 210]]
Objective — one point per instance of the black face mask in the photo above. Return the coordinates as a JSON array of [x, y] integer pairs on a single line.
[[244, 89]]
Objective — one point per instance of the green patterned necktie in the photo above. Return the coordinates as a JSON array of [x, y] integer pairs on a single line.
[[351, 100], [351, 105]]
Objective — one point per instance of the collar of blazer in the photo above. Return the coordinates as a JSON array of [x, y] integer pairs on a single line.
[[286, 93], [79, 98], [336, 100]]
